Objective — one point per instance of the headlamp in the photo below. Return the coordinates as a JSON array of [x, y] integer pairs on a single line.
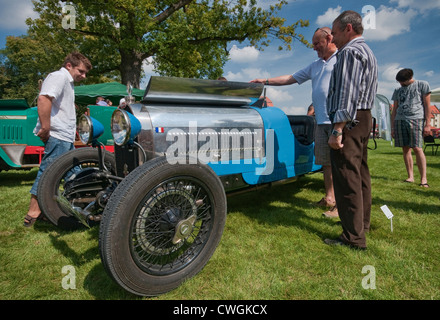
[[89, 129], [125, 127]]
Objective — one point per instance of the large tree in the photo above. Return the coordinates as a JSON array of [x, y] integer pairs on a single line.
[[186, 38]]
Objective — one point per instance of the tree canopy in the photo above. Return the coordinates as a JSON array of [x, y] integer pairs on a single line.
[[184, 38]]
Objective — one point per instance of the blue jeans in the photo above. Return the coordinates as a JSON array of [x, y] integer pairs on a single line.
[[52, 150]]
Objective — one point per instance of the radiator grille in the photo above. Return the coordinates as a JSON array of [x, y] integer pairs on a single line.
[[11, 132]]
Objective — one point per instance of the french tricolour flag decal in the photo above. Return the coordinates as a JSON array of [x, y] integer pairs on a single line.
[[159, 129]]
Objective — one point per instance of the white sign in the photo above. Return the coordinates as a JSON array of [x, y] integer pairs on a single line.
[[389, 215], [387, 212]]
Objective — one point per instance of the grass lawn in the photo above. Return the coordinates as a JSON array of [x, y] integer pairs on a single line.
[[272, 247]]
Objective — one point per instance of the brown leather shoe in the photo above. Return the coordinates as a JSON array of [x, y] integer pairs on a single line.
[[339, 242], [332, 213]]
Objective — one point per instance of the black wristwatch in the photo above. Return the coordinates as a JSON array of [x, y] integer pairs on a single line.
[[336, 133]]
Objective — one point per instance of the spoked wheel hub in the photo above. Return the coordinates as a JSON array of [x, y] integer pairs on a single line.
[[173, 220], [184, 229]]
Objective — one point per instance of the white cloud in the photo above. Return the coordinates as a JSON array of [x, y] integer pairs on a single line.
[[429, 73], [390, 22], [247, 74], [13, 15], [326, 20], [423, 6], [279, 94], [292, 110], [387, 79], [282, 98], [390, 70], [247, 54], [147, 67]]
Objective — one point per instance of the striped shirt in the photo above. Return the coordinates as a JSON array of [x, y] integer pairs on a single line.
[[353, 84]]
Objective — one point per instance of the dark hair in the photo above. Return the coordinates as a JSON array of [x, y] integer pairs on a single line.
[[404, 75], [75, 59], [353, 18]]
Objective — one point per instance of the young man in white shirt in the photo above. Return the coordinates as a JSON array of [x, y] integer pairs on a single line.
[[56, 125]]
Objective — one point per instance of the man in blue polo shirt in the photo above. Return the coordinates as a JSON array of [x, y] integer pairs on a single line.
[[319, 72]]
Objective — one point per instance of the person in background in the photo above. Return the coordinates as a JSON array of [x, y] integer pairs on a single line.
[[352, 90], [410, 121], [311, 110], [122, 103], [56, 125], [100, 101], [319, 72]]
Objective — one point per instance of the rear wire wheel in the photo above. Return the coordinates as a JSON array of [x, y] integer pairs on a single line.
[[52, 182]]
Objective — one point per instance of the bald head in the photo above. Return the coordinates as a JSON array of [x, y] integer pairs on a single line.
[[323, 32], [322, 43]]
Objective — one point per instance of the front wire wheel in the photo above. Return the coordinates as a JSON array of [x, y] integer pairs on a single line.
[[161, 226]]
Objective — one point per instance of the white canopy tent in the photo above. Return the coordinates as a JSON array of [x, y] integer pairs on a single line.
[[435, 95], [381, 112]]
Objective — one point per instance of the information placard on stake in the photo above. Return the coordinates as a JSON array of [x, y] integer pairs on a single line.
[[388, 214]]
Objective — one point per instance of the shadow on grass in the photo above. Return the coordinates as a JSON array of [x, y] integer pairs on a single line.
[[78, 259], [430, 165], [102, 287], [16, 178], [407, 205], [406, 196], [97, 282], [294, 211]]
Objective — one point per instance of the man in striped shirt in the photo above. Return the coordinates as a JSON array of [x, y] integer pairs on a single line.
[[353, 87]]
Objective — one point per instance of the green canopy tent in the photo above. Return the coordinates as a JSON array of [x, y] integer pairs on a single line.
[[435, 95], [14, 104], [114, 91]]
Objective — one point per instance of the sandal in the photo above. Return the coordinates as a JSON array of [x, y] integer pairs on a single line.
[[325, 203], [424, 185], [29, 221]]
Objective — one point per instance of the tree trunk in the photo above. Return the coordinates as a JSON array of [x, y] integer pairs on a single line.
[[131, 67]]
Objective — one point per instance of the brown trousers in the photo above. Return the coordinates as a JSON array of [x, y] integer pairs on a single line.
[[351, 181]]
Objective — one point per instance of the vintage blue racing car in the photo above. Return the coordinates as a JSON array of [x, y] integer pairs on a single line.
[[160, 198]]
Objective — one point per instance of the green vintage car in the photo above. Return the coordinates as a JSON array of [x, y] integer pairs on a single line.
[[20, 148]]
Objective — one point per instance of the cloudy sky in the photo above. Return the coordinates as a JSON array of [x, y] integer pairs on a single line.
[[402, 34]]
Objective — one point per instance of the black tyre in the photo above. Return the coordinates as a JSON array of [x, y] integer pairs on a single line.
[[161, 226], [52, 182]]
